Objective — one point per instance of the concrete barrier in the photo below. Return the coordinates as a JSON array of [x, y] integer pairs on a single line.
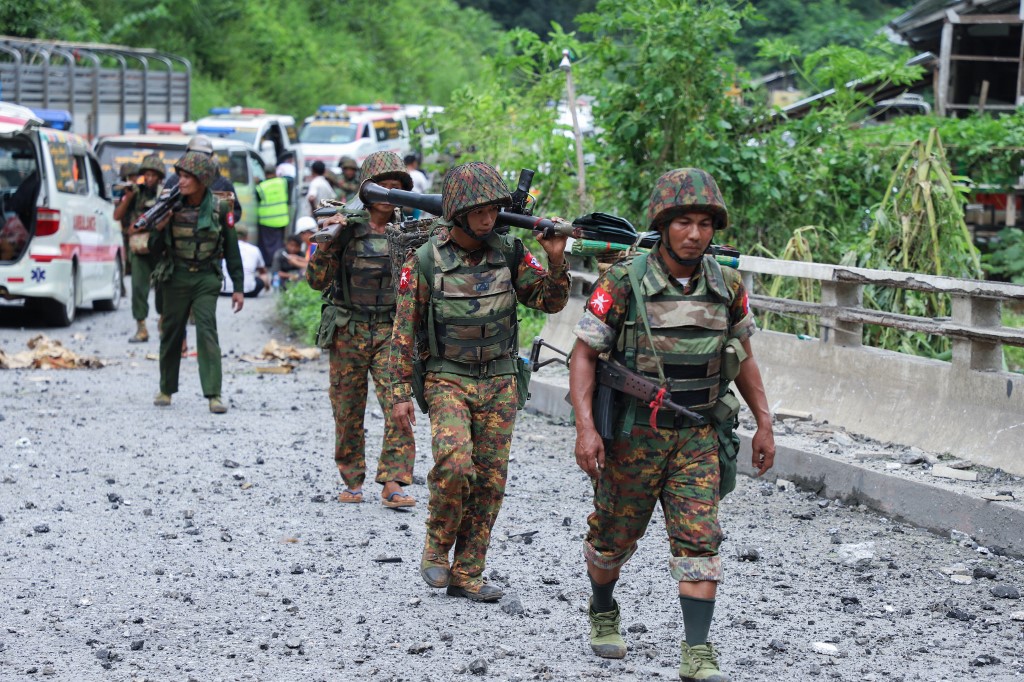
[[936, 406]]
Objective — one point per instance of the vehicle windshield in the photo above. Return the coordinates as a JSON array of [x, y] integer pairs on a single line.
[[328, 132], [247, 135], [19, 185], [113, 155]]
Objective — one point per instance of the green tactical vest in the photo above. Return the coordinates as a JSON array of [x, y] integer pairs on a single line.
[[273, 202], [689, 333], [193, 248], [362, 283], [143, 202], [472, 327]]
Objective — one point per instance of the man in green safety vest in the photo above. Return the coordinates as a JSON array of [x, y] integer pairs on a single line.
[[273, 213]]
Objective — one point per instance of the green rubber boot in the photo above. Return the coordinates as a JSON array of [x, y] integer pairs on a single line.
[[700, 662], [605, 639]]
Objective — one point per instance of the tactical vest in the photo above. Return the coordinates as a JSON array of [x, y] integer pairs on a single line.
[[193, 248], [143, 202], [362, 282], [273, 202], [472, 327], [689, 333]]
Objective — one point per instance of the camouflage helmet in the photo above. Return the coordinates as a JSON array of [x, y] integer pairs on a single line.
[[199, 165], [348, 162], [383, 166], [684, 190], [154, 163], [129, 169], [471, 186]]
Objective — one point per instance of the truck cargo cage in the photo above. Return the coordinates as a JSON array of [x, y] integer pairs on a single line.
[[108, 89]]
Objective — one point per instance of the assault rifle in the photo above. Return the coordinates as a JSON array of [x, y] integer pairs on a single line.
[[331, 231], [371, 193], [614, 378], [161, 208]]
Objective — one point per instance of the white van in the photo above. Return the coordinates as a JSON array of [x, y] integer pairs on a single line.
[[59, 244], [238, 162], [356, 131]]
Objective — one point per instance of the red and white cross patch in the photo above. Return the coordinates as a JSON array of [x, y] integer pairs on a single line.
[[600, 303]]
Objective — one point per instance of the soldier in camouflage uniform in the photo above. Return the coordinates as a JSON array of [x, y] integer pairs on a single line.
[[696, 333], [190, 242], [457, 320], [137, 200], [354, 272], [347, 184], [128, 175]]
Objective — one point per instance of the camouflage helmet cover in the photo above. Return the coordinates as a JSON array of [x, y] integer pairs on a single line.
[[685, 190], [348, 162], [154, 163], [380, 166], [128, 169], [198, 164], [471, 186]]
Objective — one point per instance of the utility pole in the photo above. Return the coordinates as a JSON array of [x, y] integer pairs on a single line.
[[581, 190]]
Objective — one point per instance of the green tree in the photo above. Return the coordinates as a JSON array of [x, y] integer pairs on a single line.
[[60, 19]]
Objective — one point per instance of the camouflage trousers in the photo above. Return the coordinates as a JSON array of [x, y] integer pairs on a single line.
[[471, 424], [358, 349], [679, 468]]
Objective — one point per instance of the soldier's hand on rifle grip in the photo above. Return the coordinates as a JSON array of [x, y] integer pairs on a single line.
[[590, 452], [403, 415], [336, 219]]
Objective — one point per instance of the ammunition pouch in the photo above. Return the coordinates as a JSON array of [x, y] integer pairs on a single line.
[[163, 271], [724, 416], [331, 317]]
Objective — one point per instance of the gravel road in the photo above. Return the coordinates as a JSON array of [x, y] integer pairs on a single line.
[[140, 543]]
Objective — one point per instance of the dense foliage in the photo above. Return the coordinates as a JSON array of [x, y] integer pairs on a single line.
[[286, 55]]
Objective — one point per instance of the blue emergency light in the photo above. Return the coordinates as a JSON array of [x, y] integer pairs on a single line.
[[59, 119], [220, 111], [331, 108], [215, 130]]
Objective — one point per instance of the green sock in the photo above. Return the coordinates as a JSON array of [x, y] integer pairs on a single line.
[[602, 601], [697, 614]]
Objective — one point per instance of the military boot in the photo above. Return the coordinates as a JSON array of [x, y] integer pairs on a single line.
[[475, 589], [700, 663], [141, 333], [434, 569], [216, 406], [162, 400], [605, 639]]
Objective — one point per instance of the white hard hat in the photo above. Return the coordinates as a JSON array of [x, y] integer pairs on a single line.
[[305, 224], [200, 143]]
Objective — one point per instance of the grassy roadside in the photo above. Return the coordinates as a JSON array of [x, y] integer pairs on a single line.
[[299, 307]]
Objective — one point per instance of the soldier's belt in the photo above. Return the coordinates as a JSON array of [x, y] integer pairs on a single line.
[[667, 419], [494, 368], [373, 316], [191, 265]]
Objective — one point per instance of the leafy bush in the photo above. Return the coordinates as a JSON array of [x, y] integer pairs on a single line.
[[299, 306]]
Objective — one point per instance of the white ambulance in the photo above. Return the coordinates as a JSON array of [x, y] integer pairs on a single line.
[[60, 247]]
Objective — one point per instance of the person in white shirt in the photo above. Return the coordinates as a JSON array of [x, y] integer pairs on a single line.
[[319, 188], [420, 183], [254, 268]]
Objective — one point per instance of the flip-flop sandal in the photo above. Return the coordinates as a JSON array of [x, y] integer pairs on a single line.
[[351, 496], [405, 501]]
